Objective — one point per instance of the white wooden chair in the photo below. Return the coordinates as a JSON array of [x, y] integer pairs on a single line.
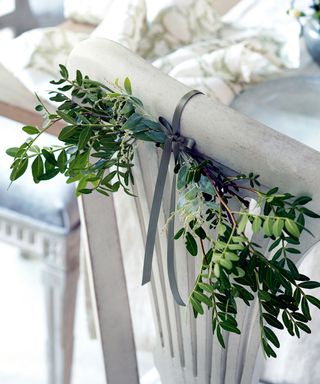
[[186, 352]]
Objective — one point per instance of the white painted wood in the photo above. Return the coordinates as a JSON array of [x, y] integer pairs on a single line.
[[59, 254], [102, 247], [60, 278], [60, 296], [235, 141]]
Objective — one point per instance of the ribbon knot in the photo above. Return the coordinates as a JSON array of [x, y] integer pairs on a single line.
[[175, 136], [174, 144]]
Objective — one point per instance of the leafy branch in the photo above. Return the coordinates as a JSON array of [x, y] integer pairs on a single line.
[[101, 132]]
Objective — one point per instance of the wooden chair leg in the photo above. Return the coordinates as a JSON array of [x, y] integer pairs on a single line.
[[60, 296]]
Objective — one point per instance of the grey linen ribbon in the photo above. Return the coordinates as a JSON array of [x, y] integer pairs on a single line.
[[174, 144]]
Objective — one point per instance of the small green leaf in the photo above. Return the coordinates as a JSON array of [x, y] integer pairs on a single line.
[[49, 156], [292, 228], [293, 250], [67, 118], [264, 296], [108, 178], [242, 224], [182, 177], [225, 263], [286, 320], [272, 320], [231, 256], [179, 233], [30, 129], [49, 174], [256, 225], [63, 71], [84, 137], [127, 86], [313, 300], [220, 337], [67, 132], [191, 244], [200, 232], [12, 151], [65, 88], [292, 267], [62, 161], [277, 227], [267, 226], [37, 168], [19, 169], [299, 316], [297, 296], [271, 336], [268, 350], [79, 77], [196, 305], [272, 191], [305, 308], [39, 108], [85, 191], [304, 327], [203, 298], [302, 200], [274, 244], [206, 287], [310, 213], [309, 284], [230, 328]]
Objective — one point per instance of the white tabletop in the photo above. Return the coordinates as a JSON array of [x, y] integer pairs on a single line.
[[289, 105]]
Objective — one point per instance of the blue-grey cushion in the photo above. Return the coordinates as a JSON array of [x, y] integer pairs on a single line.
[[51, 202]]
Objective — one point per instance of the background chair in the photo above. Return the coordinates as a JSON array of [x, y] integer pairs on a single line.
[[43, 222], [185, 352]]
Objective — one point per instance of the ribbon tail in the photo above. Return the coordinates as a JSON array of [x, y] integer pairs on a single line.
[[170, 248], [155, 211]]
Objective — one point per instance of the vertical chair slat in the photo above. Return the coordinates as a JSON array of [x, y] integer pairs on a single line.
[[201, 330], [251, 353], [236, 343], [184, 312], [193, 329], [109, 285], [168, 311], [154, 292], [149, 166], [157, 288], [218, 362]]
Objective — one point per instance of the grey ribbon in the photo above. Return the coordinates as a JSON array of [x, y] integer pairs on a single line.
[[174, 144]]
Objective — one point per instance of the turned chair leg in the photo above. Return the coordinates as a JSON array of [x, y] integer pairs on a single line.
[[60, 295]]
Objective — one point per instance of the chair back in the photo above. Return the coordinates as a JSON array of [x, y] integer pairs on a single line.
[[186, 350]]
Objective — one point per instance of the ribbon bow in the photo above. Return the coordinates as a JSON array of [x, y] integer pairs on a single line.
[[174, 144]]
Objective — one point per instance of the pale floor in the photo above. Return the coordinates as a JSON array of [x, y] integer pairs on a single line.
[[23, 329]]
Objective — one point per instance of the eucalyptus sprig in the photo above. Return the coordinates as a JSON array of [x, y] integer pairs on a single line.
[[103, 127]]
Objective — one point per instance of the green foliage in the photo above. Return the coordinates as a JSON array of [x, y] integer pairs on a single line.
[[102, 128], [101, 131]]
